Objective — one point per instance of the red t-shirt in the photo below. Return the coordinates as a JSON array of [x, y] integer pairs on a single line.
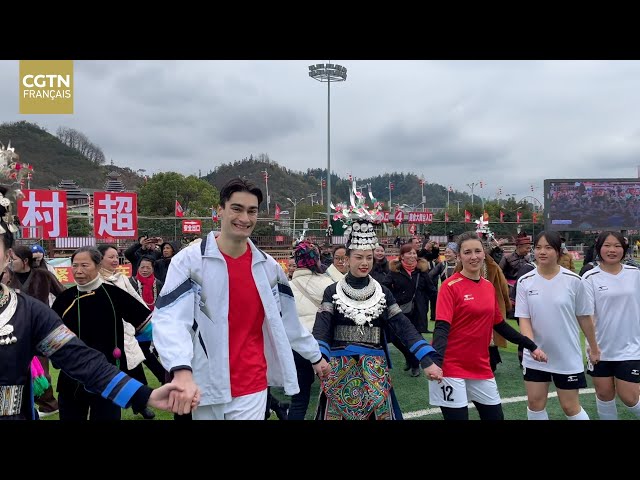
[[472, 310], [247, 363]]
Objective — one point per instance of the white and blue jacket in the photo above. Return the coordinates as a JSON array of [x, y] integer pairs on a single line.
[[190, 321]]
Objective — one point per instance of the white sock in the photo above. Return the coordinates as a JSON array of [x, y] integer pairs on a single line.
[[540, 415], [635, 409], [607, 410], [581, 415]]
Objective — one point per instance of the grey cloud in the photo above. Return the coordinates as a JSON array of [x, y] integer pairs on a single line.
[[511, 124]]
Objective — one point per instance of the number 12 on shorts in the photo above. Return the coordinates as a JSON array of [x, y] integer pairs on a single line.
[[447, 390]]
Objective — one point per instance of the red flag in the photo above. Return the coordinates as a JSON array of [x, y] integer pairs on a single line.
[[518, 216], [179, 210], [501, 216], [535, 218], [446, 216], [214, 214], [467, 216], [485, 216], [277, 215]]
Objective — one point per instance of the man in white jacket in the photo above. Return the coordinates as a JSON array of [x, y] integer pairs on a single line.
[[225, 321]]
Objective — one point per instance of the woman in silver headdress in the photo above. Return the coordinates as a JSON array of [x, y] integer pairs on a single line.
[[350, 326]]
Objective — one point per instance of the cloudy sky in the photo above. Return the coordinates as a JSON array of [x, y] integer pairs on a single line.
[[510, 124]]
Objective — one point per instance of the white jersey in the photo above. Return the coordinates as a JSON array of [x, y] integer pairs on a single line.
[[552, 306], [614, 301]]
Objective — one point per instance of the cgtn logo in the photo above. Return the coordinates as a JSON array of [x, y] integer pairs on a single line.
[[46, 86]]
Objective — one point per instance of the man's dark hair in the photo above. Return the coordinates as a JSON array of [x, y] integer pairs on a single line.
[[239, 185]]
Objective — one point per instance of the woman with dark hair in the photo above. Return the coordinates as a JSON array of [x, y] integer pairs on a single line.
[[308, 286], [167, 252], [350, 325], [146, 285], [339, 266], [553, 307], [380, 264], [41, 284], [29, 328], [467, 313], [409, 282], [612, 296]]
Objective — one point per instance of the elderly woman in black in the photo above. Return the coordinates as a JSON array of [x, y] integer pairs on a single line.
[[411, 286], [28, 327]]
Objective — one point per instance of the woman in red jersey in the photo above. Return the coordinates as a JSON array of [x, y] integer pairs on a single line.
[[467, 312]]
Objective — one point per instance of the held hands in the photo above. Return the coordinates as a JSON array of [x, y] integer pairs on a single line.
[[594, 354], [160, 397], [433, 372], [539, 356], [186, 397], [322, 369]]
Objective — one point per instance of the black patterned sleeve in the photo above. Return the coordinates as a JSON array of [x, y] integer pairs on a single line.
[[82, 363]]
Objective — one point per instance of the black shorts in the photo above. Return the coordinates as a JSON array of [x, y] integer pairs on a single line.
[[560, 380], [627, 370]]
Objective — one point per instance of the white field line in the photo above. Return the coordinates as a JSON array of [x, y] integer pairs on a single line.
[[522, 398]]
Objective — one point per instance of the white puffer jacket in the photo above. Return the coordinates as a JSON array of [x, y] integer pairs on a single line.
[[314, 285], [334, 274]]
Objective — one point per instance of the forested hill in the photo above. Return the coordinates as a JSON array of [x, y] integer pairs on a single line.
[[284, 182], [53, 161]]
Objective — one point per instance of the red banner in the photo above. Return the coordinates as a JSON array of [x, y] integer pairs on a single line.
[[467, 216], [413, 228], [485, 217], [420, 217], [501, 216], [398, 217], [115, 214], [65, 275], [191, 226], [446, 216], [535, 217], [46, 209], [518, 217]]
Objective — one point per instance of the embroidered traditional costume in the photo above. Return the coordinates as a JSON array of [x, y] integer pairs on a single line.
[[350, 326]]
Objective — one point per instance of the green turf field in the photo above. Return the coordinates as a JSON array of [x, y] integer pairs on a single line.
[[413, 392]]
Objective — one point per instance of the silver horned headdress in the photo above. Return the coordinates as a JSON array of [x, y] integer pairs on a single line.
[[13, 172], [359, 219]]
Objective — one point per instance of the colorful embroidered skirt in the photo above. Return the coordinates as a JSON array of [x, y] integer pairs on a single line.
[[357, 388]]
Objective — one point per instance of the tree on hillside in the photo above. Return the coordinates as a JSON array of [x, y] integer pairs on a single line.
[[79, 141], [196, 196]]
